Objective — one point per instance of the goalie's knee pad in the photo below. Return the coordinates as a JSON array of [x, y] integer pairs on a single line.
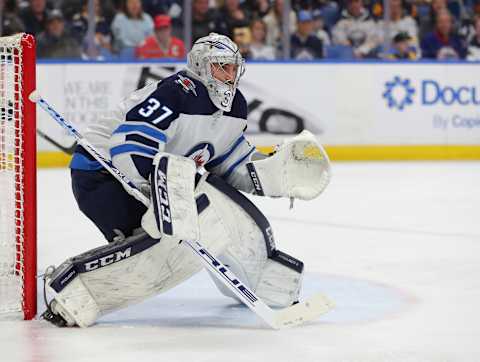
[[273, 275]]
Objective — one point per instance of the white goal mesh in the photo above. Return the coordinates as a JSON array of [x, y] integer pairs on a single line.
[[17, 179]]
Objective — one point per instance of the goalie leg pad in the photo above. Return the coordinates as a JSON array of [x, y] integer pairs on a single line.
[[280, 283], [74, 302], [78, 283], [128, 271], [120, 274], [273, 275]]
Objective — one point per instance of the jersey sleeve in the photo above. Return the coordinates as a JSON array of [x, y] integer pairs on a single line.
[[149, 116], [231, 166]]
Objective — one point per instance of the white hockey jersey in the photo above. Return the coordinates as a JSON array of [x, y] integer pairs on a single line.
[[176, 116]]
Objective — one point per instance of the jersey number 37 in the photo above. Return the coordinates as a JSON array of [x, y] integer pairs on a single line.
[[151, 106]]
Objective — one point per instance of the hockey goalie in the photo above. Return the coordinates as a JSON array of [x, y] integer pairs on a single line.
[[181, 141]]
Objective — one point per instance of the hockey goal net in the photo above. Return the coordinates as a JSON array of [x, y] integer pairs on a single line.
[[17, 178]]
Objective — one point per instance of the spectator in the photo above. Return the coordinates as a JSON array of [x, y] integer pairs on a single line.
[[319, 28], [131, 26], [474, 44], [68, 7], [34, 16], [102, 40], [109, 10], [400, 22], [304, 44], [242, 37], [54, 42], [327, 9], [443, 43], [258, 8], [203, 19], [173, 8], [402, 48], [118, 5], [357, 29], [259, 50], [231, 16], [428, 21], [274, 24], [467, 26], [11, 23], [161, 44]]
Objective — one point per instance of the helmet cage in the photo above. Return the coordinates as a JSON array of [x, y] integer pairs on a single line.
[[224, 90], [217, 50]]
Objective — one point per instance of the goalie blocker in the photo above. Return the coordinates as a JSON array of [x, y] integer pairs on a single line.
[[131, 269]]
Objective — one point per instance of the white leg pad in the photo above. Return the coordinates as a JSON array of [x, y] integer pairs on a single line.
[[125, 272], [278, 285], [77, 302], [273, 275]]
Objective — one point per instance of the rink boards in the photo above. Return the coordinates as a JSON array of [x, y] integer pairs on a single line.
[[360, 111]]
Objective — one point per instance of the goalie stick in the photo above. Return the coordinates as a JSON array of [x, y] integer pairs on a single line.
[[277, 319]]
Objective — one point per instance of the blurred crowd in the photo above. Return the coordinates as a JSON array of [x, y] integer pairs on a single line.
[[343, 29]]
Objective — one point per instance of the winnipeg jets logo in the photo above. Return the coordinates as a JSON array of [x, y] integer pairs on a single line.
[[186, 84], [199, 161], [201, 154]]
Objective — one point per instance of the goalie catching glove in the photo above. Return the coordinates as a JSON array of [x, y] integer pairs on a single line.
[[299, 169]]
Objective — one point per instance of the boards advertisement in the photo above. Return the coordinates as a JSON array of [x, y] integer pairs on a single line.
[[351, 107]]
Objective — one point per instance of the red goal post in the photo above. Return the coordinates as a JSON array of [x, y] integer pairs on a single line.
[[18, 292]]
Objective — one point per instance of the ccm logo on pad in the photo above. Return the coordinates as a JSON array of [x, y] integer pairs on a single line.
[[108, 259], [162, 198]]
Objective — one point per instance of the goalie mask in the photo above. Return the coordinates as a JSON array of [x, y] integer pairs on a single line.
[[216, 61]]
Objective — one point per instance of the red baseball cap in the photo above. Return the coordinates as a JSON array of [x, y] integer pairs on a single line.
[[162, 21]]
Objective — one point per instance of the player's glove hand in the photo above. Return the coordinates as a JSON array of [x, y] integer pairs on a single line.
[[299, 168]]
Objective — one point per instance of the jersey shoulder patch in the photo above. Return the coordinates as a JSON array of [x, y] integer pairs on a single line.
[[194, 95], [187, 85]]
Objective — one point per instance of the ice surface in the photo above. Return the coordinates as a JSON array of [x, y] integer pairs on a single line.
[[395, 245]]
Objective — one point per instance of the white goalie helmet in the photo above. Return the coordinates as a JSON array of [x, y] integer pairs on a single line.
[[216, 50]]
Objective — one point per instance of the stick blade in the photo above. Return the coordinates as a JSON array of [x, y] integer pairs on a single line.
[[303, 312]]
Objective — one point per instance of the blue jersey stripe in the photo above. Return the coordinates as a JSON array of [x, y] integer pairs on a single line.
[[141, 139], [142, 129], [131, 148], [235, 165], [81, 162], [220, 159]]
